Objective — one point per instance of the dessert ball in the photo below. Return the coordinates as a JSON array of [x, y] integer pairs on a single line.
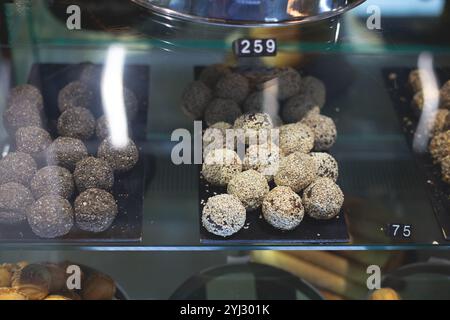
[[261, 101], [327, 166], [95, 210], [441, 121], [25, 94], [17, 167], [131, 104], [233, 86], [119, 158], [445, 169], [250, 187], [288, 83], [15, 198], [52, 180], [440, 146], [220, 165], [264, 158], [102, 129], [196, 97], [222, 110], [297, 107], [93, 173], [21, 115], [315, 89], [33, 140], [414, 81], [66, 152], [76, 94], [297, 171], [91, 74], [223, 215], [324, 129], [296, 137], [445, 96], [323, 199], [256, 127], [418, 101], [50, 216], [76, 123], [215, 137], [283, 209], [212, 74]]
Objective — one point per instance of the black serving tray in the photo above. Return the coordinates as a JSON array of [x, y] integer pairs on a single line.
[[128, 187], [396, 80]]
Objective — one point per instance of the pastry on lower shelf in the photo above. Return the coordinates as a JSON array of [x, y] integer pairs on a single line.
[[98, 286], [33, 281], [11, 294], [5, 276], [56, 297]]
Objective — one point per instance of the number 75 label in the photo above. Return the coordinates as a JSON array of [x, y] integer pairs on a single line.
[[399, 231]]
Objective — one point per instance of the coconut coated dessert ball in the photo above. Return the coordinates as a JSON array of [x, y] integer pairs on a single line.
[[296, 137], [255, 126], [324, 129], [233, 86], [445, 169], [414, 81], [66, 152], [289, 83], [315, 89], [222, 110], [17, 167], [196, 97], [283, 209], [220, 165], [212, 74], [50, 216], [264, 158], [327, 166], [76, 123], [250, 187], [21, 115], [93, 173], [445, 96], [323, 199], [95, 210], [297, 107], [52, 180], [297, 171], [76, 94], [440, 146], [119, 158], [15, 198], [25, 94], [32, 140], [261, 101], [223, 215]]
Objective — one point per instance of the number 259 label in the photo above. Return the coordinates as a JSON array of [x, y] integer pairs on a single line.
[[255, 47], [399, 231]]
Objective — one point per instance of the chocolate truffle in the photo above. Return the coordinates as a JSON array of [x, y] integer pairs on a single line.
[[256, 127], [33, 140], [95, 210], [211, 74], [21, 115], [261, 101], [445, 169], [76, 94], [76, 123], [17, 167], [315, 89], [250, 187], [440, 146], [66, 152], [222, 110], [119, 158], [25, 94], [264, 158], [296, 137], [323, 199], [414, 81], [296, 171], [445, 96], [220, 165], [233, 86], [324, 129], [297, 107], [15, 198], [93, 173], [287, 82], [52, 180], [50, 216], [327, 166], [196, 97], [223, 215], [283, 209]]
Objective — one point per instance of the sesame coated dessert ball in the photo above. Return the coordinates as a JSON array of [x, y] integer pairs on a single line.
[[21, 115], [25, 94], [440, 146], [418, 101], [297, 171], [50, 216], [15, 198], [414, 81], [445, 169], [222, 110], [250, 187], [324, 129], [212, 74], [323, 199], [261, 101], [264, 158], [66, 152], [288, 83], [220, 165], [33, 140], [93, 173], [233, 86], [445, 96], [440, 122], [283, 209], [76, 94], [297, 107], [119, 158], [296, 137], [195, 98], [223, 215], [95, 210], [52, 180], [327, 166], [315, 89], [215, 137], [17, 167], [256, 127], [76, 123]]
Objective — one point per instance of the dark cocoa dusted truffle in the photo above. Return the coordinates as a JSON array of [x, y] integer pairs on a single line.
[[211, 74], [15, 198], [95, 210], [196, 97], [76, 123], [33, 140], [297, 107], [53, 180], [120, 158], [21, 115], [261, 101], [287, 81], [222, 110], [25, 94], [66, 152], [93, 173], [17, 167], [50, 216], [233, 86], [315, 89], [102, 130], [76, 94]]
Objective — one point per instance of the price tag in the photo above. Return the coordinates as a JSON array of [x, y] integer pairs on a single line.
[[255, 47], [399, 231]]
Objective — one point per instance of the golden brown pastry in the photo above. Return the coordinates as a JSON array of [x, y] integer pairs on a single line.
[[5, 276], [58, 277], [98, 286], [11, 294], [385, 294], [57, 297], [33, 281]]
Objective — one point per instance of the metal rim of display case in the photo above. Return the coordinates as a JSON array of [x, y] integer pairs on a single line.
[[323, 13]]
